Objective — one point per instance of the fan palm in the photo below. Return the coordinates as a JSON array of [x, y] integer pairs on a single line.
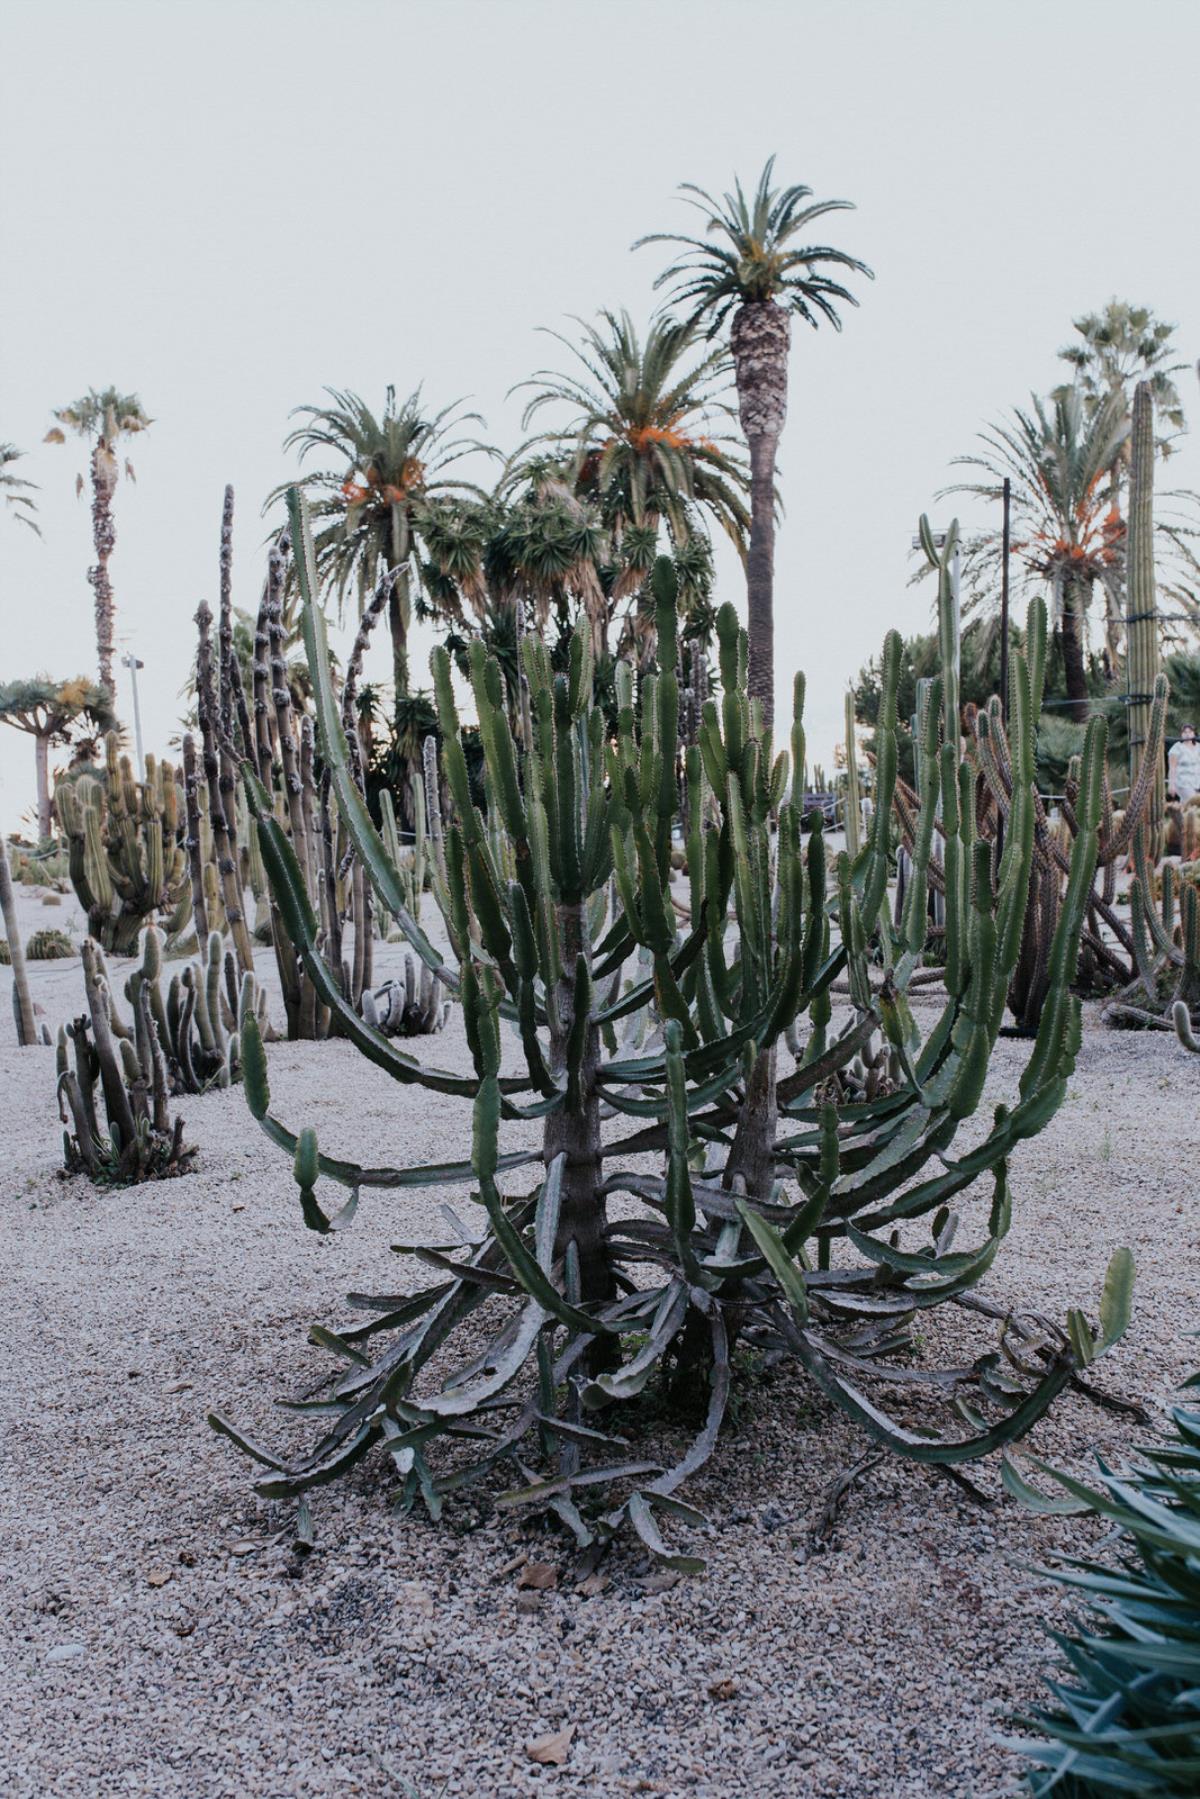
[[1121, 346], [750, 264], [105, 418], [48, 710], [372, 506], [17, 492], [1066, 530]]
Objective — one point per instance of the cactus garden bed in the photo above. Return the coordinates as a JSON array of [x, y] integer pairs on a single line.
[[168, 1635]]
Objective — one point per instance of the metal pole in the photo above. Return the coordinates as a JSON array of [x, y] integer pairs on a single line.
[[1006, 545], [132, 664]]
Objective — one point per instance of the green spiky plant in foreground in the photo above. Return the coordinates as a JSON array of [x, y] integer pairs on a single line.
[[771, 1218], [1125, 1717]]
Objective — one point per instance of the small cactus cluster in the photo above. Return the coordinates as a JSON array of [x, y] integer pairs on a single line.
[[126, 859], [50, 945], [103, 1062], [414, 1006], [198, 1020], [1166, 940]]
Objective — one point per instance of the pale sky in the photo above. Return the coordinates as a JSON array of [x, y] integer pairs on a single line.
[[227, 207]]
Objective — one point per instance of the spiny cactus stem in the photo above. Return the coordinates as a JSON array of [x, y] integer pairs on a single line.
[[27, 1034], [219, 779]]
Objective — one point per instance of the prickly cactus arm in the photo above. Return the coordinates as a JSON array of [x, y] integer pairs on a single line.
[[225, 620], [191, 811], [27, 1035], [219, 779], [112, 1080]]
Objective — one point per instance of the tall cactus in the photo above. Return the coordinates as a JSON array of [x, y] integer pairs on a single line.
[[1143, 648], [590, 1012], [127, 861], [1108, 958], [22, 999]]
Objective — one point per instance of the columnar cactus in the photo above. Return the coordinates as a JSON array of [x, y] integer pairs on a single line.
[[1143, 647], [22, 999], [127, 861], [1108, 959], [141, 1142], [590, 1011]]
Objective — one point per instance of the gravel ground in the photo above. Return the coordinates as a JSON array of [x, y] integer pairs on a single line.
[[164, 1637]]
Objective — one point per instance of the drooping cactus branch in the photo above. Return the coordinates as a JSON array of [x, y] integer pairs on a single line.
[[650, 1059]]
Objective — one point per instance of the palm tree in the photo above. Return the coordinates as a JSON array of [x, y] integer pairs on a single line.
[[750, 264], [1065, 529], [1121, 346], [639, 443], [372, 507], [106, 418], [48, 710], [16, 492]]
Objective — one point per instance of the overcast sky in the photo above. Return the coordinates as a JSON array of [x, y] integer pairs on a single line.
[[227, 207]]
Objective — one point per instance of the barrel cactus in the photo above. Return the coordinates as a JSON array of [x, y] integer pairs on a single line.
[[753, 1207]]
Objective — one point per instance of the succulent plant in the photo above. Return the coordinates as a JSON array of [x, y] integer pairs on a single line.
[[635, 1045], [415, 1006], [127, 862], [138, 1140], [1108, 953], [1125, 1717], [50, 946], [198, 1021], [24, 1011]]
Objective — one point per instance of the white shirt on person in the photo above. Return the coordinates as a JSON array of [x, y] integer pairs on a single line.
[[1184, 769]]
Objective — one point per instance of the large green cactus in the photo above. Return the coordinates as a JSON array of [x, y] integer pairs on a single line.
[[1108, 959], [1143, 647], [127, 861], [648, 1056]]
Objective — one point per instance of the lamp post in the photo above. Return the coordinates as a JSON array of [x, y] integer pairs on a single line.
[[131, 662]]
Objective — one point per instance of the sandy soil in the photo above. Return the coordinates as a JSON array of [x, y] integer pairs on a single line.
[[163, 1637]]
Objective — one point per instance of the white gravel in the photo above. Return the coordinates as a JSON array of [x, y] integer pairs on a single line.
[[160, 1641]]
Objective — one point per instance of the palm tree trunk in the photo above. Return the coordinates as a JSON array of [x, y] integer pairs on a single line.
[[760, 337], [1074, 669], [41, 752], [104, 536]]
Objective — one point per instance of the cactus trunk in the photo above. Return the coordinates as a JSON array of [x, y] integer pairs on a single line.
[[1143, 647]]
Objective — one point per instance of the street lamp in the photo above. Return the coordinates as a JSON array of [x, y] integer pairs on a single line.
[[132, 663]]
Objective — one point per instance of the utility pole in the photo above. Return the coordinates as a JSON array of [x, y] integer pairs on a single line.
[[131, 662]]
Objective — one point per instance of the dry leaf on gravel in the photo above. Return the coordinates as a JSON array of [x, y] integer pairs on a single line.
[[722, 1689], [246, 1547], [658, 1583], [539, 1575], [551, 1751], [593, 1586], [158, 1577]]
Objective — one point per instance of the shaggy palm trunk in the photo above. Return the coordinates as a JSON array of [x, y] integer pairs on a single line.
[[104, 536], [760, 337], [1075, 596], [41, 753]]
